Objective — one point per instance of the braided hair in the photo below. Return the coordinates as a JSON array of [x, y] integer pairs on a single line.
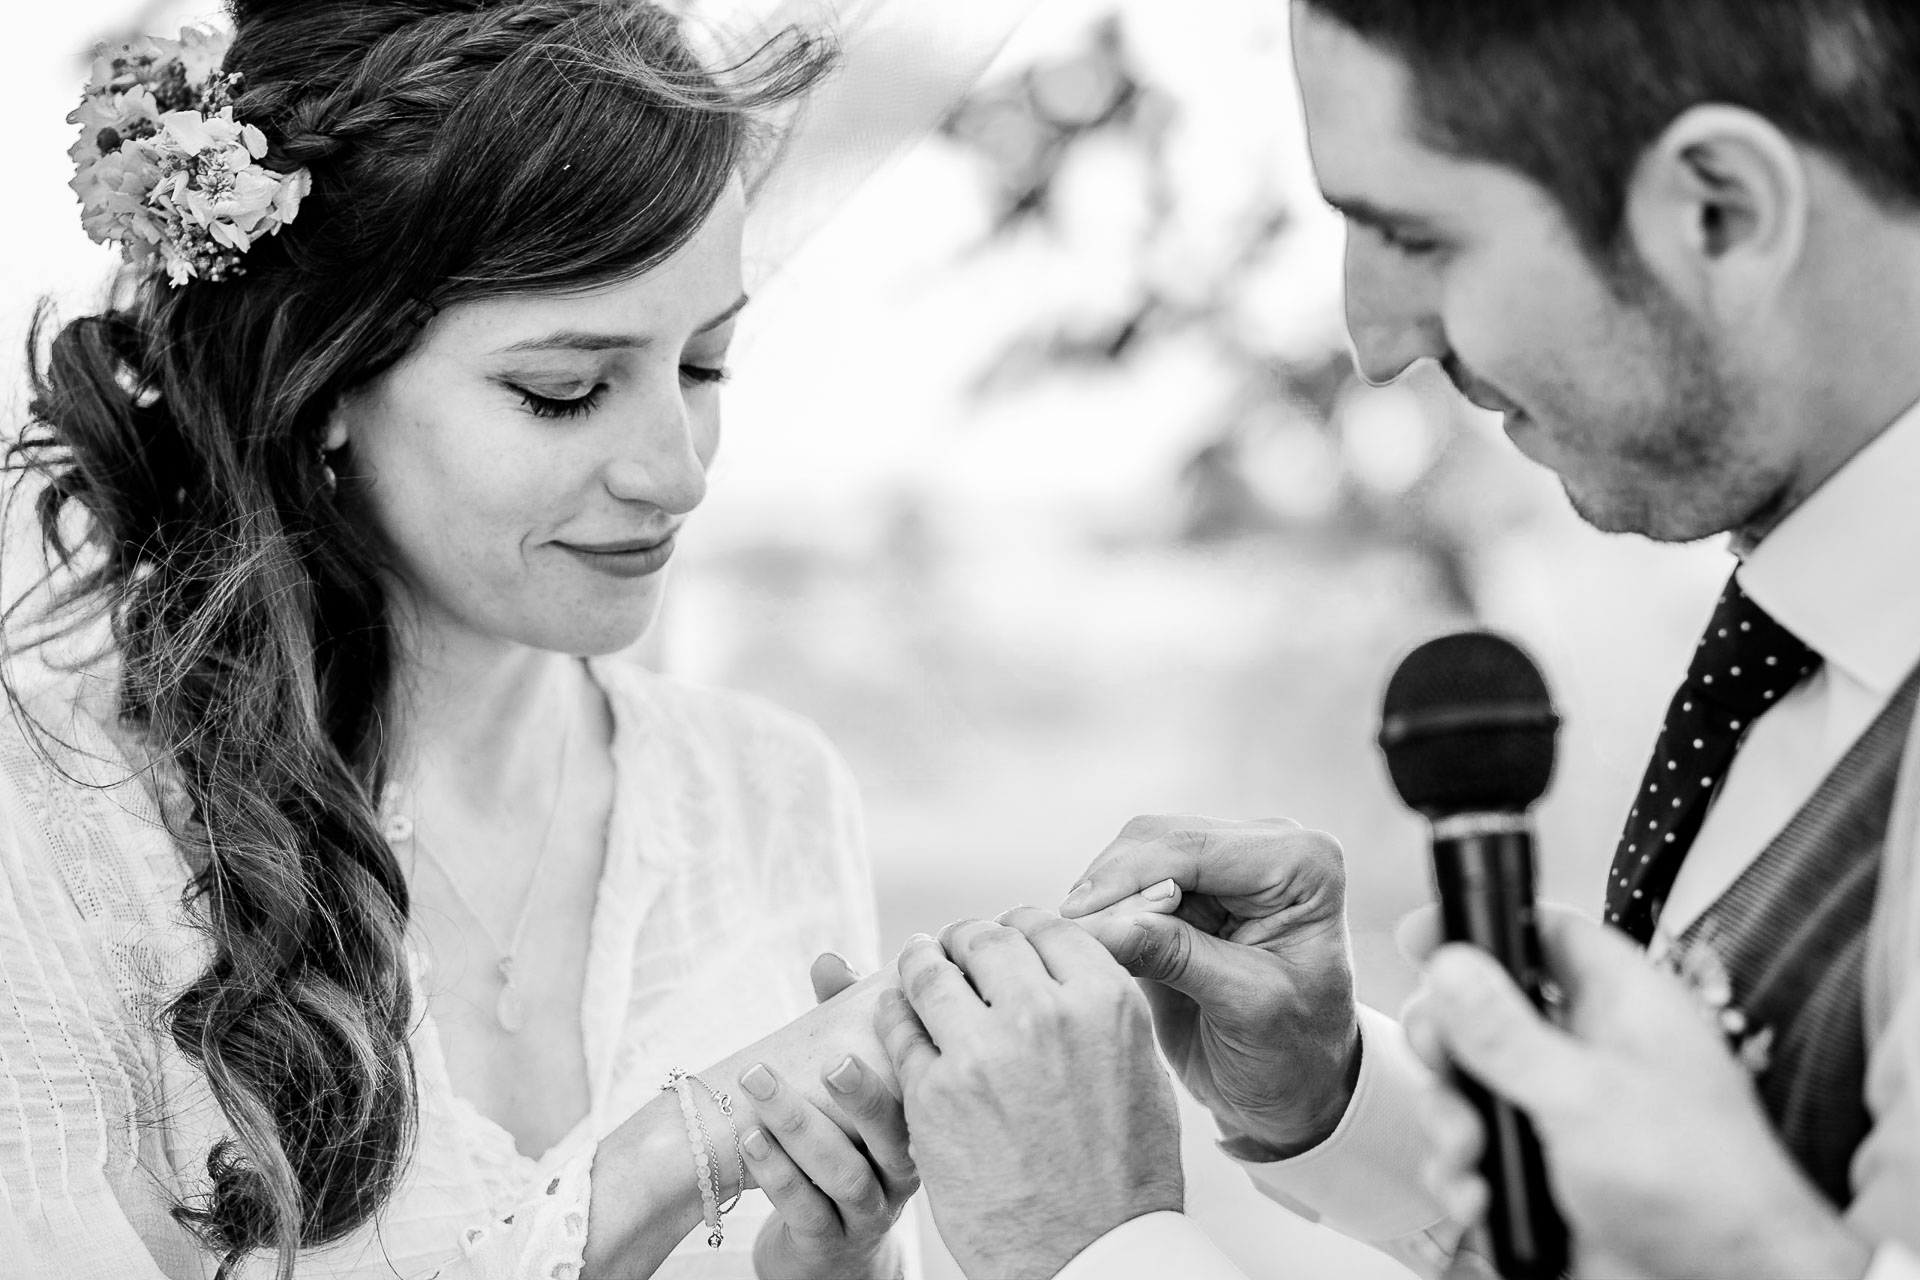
[[458, 149]]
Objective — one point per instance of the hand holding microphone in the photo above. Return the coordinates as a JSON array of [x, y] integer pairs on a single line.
[[1660, 1154]]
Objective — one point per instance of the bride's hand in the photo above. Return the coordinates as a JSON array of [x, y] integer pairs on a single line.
[[834, 1203], [644, 1197], [817, 1042]]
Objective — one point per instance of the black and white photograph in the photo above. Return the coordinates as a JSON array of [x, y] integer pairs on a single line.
[[960, 640]]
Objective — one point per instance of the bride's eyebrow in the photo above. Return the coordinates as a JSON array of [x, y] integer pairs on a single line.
[[583, 340], [739, 305]]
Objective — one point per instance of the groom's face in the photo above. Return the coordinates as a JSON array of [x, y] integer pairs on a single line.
[[1600, 374]]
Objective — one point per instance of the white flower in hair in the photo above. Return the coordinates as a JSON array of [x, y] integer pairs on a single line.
[[164, 170]]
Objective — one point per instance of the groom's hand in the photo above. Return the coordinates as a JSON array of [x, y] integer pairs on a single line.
[[1039, 1115], [1660, 1155], [1249, 978]]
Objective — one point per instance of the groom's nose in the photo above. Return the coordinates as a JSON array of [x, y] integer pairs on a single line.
[[1393, 313]]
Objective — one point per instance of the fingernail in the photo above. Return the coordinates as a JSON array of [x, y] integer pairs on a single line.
[[845, 1078], [1077, 895], [919, 938], [1161, 892], [759, 1082], [837, 958], [756, 1144], [1137, 949]]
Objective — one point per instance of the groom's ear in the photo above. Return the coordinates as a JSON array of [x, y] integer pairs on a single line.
[[1717, 211]]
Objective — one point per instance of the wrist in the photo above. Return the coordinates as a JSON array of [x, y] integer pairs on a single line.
[[1266, 1134], [716, 1099], [777, 1255], [644, 1199]]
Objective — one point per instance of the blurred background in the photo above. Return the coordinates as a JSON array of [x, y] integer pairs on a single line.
[[1050, 493]]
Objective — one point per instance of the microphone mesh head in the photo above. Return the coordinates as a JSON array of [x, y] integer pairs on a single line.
[[1468, 727]]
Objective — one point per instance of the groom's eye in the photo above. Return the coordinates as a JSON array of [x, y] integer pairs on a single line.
[[1406, 243]]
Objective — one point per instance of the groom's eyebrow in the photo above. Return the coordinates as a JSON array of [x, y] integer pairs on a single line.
[[584, 340]]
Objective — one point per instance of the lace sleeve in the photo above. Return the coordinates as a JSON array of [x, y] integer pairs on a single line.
[[544, 1238], [803, 836], [71, 1086]]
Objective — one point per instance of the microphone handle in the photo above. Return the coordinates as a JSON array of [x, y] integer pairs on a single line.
[[1485, 879]]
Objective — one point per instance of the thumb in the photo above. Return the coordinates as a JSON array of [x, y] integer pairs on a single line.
[[1613, 995], [1192, 961], [831, 974], [1419, 933], [1493, 1032], [1593, 963]]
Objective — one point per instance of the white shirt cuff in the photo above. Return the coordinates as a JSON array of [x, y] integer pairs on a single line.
[[1153, 1247], [1365, 1179], [1894, 1262]]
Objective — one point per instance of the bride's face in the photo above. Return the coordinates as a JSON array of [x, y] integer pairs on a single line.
[[532, 458]]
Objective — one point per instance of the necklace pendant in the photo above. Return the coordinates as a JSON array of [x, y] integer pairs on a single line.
[[509, 1010]]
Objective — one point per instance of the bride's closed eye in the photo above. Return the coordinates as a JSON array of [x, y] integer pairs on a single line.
[[703, 375], [560, 406], [573, 406]]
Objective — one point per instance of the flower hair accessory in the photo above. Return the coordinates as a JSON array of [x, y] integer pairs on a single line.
[[164, 170]]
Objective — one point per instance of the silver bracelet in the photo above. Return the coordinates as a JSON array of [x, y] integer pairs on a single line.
[[725, 1104], [706, 1162]]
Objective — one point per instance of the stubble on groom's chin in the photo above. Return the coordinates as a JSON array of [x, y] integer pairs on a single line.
[[1681, 475], [1673, 463], [1686, 510]]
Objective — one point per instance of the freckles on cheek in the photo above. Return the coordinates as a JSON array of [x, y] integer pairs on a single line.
[[487, 516], [446, 504]]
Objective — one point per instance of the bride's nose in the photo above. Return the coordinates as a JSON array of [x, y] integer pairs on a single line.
[[661, 454]]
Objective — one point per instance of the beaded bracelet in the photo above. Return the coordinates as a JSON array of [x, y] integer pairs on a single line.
[[706, 1157], [725, 1104], [706, 1162]]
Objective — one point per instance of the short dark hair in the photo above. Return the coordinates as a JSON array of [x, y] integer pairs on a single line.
[[1571, 93]]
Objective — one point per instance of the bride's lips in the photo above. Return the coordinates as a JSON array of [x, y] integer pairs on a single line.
[[633, 558]]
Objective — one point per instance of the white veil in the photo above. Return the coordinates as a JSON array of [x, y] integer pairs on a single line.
[[904, 65]]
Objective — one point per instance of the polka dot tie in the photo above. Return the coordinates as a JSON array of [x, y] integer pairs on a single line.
[[1745, 664]]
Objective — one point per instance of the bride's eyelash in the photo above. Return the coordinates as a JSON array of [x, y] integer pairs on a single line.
[[705, 375], [575, 406], [548, 407]]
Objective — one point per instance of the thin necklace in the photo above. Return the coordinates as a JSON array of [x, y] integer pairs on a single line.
[[509, 1010]]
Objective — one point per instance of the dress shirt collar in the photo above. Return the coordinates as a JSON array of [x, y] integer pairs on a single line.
[[1842, 571]]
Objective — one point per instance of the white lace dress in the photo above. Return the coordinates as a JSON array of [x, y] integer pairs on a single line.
[[735, 856]]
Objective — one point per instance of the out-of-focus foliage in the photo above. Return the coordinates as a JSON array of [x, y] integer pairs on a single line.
[[1297, 446]]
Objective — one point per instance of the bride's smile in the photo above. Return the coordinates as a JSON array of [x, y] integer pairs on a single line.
[[530, 462]]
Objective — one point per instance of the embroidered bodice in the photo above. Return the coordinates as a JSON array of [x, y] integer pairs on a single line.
[[734, 857]]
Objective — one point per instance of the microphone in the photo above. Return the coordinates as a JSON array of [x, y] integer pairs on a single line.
[[1468, 731]]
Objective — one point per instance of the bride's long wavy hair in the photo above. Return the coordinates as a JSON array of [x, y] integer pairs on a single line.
[[459, 149]]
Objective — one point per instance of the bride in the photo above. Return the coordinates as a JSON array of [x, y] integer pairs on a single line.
[[357, 916]]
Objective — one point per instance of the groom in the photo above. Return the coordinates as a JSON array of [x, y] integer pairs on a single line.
[[1677, 244]]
